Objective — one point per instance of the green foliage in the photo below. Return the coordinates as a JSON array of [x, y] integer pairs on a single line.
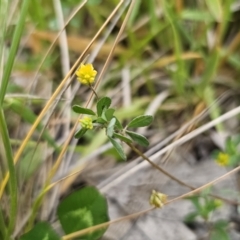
[[81, 110], [205, 206], [82, 209], [122, 138], [231, 152], [103, 103], [108, 114], [110, 127], [80, 133], [138, 138], [114, 130], [219, 231], [41, 231], [140, 121], [118, 148], [29, 116]]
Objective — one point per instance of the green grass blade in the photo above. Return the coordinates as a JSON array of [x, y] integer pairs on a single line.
[[3, 229], [12, 173], [3, 18], [13, 50]]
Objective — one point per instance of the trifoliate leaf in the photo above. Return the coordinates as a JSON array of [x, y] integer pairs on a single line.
[[81, 110], [84, 208], [138, 138], [109, 113], [141, 121], [40, 231], [110, 127], [118, 125], [122, 138], [118, 148], [103, 103], [80, 133], [100, 120]]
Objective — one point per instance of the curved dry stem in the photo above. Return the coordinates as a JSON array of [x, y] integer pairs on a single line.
[[173, 177], [135, 215]]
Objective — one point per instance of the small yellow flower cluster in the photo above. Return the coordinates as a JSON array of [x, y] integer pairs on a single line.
[[86, 122], [218, 203], [222, 159], [86, 74], [157, 199]]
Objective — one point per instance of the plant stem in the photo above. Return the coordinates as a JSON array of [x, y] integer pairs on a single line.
[[3, 229], [139, 153], [94, 91], [12, 173]]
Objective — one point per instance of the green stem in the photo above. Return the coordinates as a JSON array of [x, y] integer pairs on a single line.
[[13, 50], [12, 173], [3, 229]]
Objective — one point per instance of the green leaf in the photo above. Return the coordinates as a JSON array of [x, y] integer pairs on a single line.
[[103, 103], [122, 138], [215, 9], [190, 217], [219, 234], [118, 148], [110, 127], [41, 231], [81, 110], [196, 15], [118, 125], [141, 121], [221, 224], [109, 113], [100, 120], [138, 138], [80, 133], [82, 209], [196, 202]]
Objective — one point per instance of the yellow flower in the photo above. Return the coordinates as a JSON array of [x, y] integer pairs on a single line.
[[86, 74], [218, 203], [222, 159], [157, 199], [86, 122]]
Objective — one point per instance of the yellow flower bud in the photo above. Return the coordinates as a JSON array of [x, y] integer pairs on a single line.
[[222, 159], [86, 122], [218, 203], [86, 74], [157, 199]]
